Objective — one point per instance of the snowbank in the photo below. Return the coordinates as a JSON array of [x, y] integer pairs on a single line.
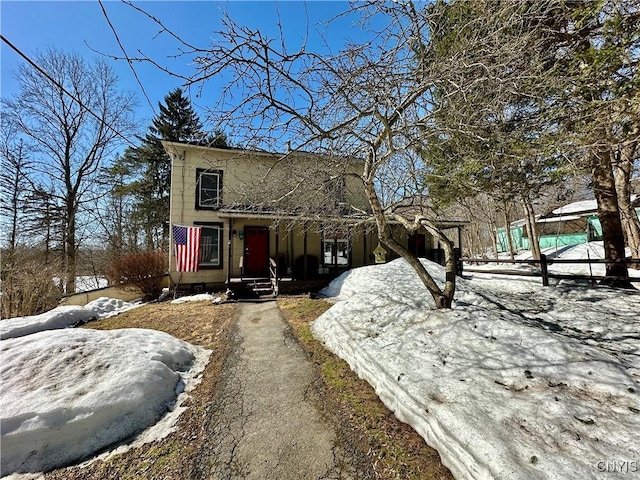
[[63, 317], [106, 307], [517, 381], [60, 317], [69, 393], [200, 297]]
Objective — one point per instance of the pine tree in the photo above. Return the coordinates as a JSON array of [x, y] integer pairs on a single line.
[[177, 121]]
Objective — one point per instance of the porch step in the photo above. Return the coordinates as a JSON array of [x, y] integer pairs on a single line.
[[260, 291], [262, 288]]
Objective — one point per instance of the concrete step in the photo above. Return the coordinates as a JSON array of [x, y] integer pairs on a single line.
[[261, 291]]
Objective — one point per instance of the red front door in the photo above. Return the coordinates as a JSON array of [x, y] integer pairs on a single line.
[[256, 251]]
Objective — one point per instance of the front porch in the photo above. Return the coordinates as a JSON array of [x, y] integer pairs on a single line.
[[262, 246], [307, 279], [268, 254]]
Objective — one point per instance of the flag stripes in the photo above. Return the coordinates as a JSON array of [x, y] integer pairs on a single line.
[[187, 247]]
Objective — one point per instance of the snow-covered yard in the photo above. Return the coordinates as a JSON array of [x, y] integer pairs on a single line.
[[591, 250], [518, 381], [68, 393], [63, 317]]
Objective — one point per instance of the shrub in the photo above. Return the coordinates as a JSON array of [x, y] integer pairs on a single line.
[[28, 286], [141, 271]]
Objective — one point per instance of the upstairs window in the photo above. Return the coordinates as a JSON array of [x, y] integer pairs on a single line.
[[208, 189]]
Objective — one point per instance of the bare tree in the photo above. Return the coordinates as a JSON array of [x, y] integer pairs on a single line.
[[369, 103], [14, 183], [69, 142]]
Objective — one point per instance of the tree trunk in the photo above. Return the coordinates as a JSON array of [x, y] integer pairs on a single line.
[[441, 297], [494, 240], [623, 169], [71, 254], [507, 227], [532, 231], [612, 233]]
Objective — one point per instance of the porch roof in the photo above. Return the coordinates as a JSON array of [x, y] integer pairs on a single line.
[[353, 218], [256, 213]]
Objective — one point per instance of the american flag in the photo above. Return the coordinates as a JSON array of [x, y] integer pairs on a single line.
[[187, 242]]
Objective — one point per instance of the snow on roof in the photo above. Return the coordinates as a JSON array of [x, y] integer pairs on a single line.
[[69, 393], [518, 381], [582, 206], [565, 218]]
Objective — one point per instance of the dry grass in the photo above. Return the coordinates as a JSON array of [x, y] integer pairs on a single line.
[[171, 458], [395, 449]]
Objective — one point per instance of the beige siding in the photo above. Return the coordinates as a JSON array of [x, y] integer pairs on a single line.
[[240, 169]]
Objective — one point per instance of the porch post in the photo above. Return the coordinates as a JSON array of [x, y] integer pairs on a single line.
[[277, 259], [334, 257], [292, 251], [304, 252], [229, 255], [365, 257]]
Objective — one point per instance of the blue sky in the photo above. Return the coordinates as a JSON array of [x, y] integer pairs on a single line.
[[80, 26]]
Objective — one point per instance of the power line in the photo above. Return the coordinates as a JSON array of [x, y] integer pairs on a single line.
[[126, 56], [61, 87]]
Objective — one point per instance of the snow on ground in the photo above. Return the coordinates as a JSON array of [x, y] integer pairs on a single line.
[[59, 317], [106, 307], [63, 317], [86, 283], [69, 393], [518, 381], [200, 297], [590, 250]]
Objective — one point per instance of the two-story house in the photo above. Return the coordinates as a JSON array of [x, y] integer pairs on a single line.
[[305, 213]]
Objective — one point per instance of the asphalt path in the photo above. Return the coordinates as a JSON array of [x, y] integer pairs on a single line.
[[267, 420]]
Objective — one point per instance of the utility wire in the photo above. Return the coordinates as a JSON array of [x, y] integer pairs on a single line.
[[126, 56], [61, 87]]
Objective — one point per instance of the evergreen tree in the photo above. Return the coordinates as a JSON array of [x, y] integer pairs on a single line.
[[177, 121], [530, 91], [150, 166]]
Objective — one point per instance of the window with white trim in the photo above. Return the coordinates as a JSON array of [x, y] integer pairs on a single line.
[[211, 245], [208, 189]]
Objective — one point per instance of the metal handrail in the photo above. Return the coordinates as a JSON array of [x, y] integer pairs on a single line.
[[273, 275]]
